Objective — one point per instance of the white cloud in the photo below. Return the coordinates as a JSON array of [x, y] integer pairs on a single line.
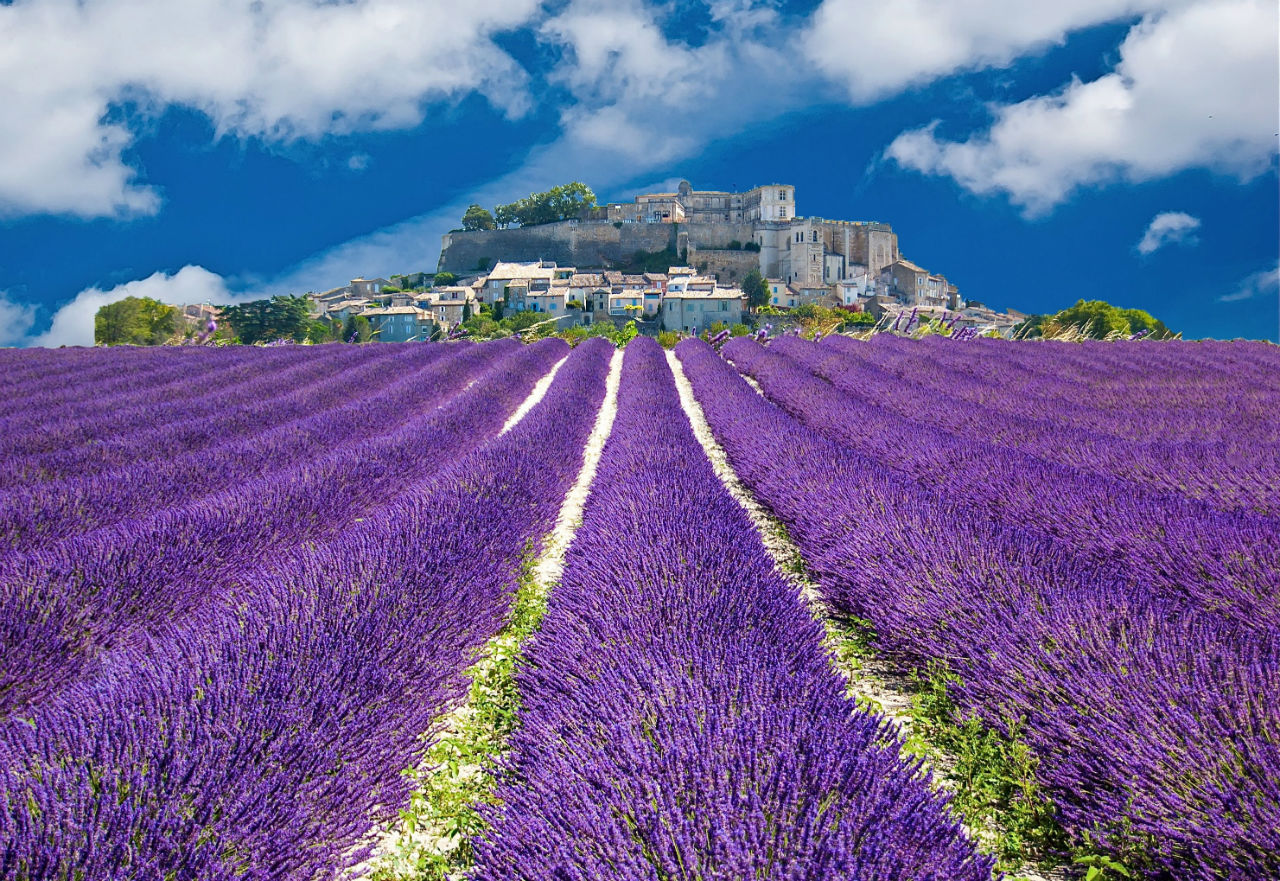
[[16, 321], [73, 323], [874, 48], [1255, 285], [649, 100], [274, 69], [1195, 88], [358, 162], [1168, 228]]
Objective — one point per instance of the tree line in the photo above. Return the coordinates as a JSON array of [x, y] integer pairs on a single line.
[[563, 202]]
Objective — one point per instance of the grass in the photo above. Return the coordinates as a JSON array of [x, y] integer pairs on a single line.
[[460, 770], [989, 773]]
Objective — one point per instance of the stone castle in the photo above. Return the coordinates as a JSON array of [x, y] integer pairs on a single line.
[[721, 233]]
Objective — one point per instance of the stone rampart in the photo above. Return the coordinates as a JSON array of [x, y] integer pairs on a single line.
[[586, 244], [729, 267]]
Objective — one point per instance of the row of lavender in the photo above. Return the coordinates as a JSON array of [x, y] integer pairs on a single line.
[[679, 716], [1193, 418], [256, 725], [1182, 549], [1127, 636], [73, 595]]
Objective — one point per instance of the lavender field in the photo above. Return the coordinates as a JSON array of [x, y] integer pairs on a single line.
[[245, 594]]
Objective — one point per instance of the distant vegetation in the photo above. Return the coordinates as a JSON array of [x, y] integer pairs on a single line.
[[281, 317], [1093, 319], [136, 321], [563, 202]]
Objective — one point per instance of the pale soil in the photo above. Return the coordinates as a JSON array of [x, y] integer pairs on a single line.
[[539, 391], [399, 838], [870, 681]]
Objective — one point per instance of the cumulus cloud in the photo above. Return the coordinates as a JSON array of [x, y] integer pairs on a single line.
[[1257, 284], [1195, 87], [651, 100], [875, 48], [16, 321], [73, 323], [272, 69], [1168, 228]]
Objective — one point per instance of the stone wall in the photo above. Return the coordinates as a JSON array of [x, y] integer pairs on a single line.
[[584, 244], [729, 267]]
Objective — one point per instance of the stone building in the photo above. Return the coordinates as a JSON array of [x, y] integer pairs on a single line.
[[693, 311]]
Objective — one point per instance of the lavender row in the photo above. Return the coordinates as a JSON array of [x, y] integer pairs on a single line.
[[1145, 402], [61, 608], [1241, 473], [47, 514], [133, 376], [158, 431], [207, 395], [266, 738], [1154, 725], [1182, 404], [679, 715], [1185, 550]]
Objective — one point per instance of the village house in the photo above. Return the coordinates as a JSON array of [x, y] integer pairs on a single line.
[[693, 311], [344, 309], [913, 285], [854, 289], [514, 280], [449, 313], [400, 324]]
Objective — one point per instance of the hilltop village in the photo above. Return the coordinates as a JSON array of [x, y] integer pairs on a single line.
[[669, 261], [687, 262]]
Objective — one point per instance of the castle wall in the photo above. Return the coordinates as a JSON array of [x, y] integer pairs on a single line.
[[584, 244], [729, 267]]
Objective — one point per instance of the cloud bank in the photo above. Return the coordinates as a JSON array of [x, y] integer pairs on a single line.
[[1196, 87], [80, 73]]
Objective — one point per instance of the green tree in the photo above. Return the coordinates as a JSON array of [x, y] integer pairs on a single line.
[[1094, 318], [504, 215], [443, 278], [466, 311], [135, 321], [1099, 320], [756, 290], [282, 317], [478, 218], [357, 329], [558, 203], [323, 330]]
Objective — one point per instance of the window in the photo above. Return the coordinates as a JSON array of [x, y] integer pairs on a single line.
[[815, 235], [782, 195], [782, 212], [724, 305]]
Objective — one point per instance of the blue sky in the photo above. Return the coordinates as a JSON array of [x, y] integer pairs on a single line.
[[1035, 154]]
